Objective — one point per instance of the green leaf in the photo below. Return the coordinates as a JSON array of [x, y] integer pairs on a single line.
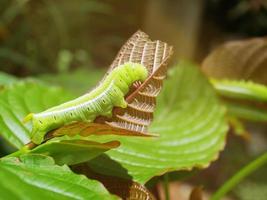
[[244, 99], [36, 177], [73, 151], [19, 99], [192, 129], [240, 89], [247, 112], [6, 78]]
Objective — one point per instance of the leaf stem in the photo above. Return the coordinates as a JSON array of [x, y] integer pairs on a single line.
[[239, 176], [166, 186], [25, 149]]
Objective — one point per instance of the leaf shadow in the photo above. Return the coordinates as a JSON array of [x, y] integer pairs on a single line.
[[119, 182], [110, 164]]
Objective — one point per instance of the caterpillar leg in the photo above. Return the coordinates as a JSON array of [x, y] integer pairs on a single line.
[[38, 138], [123, 103], [27, 118]]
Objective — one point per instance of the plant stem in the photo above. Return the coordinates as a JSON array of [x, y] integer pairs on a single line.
[[166, 186], [25, 149], [239, 176]]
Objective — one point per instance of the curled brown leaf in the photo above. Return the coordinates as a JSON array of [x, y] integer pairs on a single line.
[[244, 59], [154, 55]]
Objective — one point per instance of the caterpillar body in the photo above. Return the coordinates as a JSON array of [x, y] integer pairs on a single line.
[[100, 101]]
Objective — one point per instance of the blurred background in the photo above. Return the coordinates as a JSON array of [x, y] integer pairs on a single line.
[[63, 41], [47, 36]]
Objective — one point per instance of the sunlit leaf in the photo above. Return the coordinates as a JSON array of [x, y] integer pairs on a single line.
[[34, 176], [192, 129]]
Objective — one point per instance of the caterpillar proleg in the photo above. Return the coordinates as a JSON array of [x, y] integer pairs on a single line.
[[100, 101]]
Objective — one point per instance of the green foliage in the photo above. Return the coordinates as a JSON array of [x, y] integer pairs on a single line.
[[244, 99], [35, 176], [6, 79], [21, 98], [240, 89], [189, 119], [192, 129], [73, 151], [240, 175], [191, 132]]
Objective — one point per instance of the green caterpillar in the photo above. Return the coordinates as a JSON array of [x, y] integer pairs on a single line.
[[99, 101]]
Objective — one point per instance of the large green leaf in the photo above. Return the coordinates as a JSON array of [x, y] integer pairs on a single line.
[[21, 98], [192, 129], [36, 177], [73, 151]]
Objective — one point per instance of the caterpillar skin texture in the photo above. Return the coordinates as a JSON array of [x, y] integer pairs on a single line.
[[99, 101]]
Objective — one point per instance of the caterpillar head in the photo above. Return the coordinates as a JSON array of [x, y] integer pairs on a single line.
[[40, 126], [36, 138]]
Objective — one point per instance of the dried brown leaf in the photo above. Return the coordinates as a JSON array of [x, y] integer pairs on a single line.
[[196, 193], [86, 129], [154, 55], [244, 59]]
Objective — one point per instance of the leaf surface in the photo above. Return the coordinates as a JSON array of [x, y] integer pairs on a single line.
[[73, 151], [37, 176]]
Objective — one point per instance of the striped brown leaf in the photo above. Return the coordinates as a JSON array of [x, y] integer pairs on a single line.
[[154, 55]]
